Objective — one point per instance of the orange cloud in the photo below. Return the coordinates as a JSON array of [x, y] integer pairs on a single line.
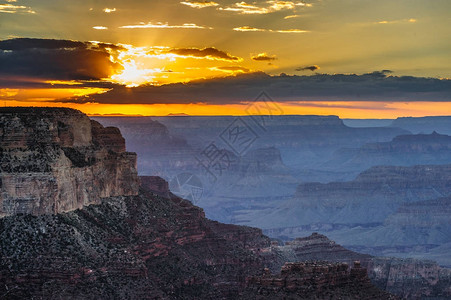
[[209, 53], [264, 57], [12, 9], [253, 29], [232, 69], [160, 25], [269, 7], [109, 10], [199, 4]]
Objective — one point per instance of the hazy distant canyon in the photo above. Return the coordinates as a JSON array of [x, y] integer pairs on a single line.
[[303, 174]]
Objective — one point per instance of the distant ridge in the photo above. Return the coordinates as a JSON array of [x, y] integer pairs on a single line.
[[440, 124], [178, 115]]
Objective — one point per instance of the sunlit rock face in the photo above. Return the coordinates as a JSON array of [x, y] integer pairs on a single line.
[[56, 159]]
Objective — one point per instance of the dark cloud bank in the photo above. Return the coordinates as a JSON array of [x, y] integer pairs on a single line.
[[376, 86], [55, 59], [26, 62]]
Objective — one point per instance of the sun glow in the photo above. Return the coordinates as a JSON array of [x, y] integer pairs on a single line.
[[158, 65], [133, 76]]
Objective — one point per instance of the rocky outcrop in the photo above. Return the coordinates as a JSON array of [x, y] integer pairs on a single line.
[[316, 280], [407, 278], [56, 159], [155, 184]]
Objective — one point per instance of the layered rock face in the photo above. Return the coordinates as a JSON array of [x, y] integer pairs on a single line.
[[403, 150], [56, 159], [407, 278], [423, 214], [368, 200], [316, 280]]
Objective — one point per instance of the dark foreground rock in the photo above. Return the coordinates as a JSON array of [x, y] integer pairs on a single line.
[[136, 247]]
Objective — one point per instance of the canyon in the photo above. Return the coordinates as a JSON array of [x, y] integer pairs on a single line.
[[113, 235]]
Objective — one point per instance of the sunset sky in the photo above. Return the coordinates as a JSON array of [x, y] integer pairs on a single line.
[[352, 58]]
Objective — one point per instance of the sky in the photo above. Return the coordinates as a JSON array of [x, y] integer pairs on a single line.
[[351, 58]]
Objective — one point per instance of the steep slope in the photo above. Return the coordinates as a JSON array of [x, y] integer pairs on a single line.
[[140, 247]]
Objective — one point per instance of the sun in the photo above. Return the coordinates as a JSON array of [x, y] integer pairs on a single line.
[[132, 75]]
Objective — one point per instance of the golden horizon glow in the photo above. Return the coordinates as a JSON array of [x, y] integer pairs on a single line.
[[342, 109]]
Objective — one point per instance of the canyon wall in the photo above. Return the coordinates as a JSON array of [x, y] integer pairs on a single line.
[[55, 160]]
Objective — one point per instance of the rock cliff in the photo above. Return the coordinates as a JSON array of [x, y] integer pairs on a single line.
[[55, 160]]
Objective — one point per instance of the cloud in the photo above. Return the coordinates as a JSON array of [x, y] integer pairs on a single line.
[[12, 9], [411, 20], [209, 53], [45, 59], [109, 10], [199, 4], [290, 31], [245, 8], [380, 74], [264, 57], [284, 88], [232, 69], [291, 17], [248, 28], [160, 25], [266, 8], [100, 27], [311, 68], [253, 29]]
